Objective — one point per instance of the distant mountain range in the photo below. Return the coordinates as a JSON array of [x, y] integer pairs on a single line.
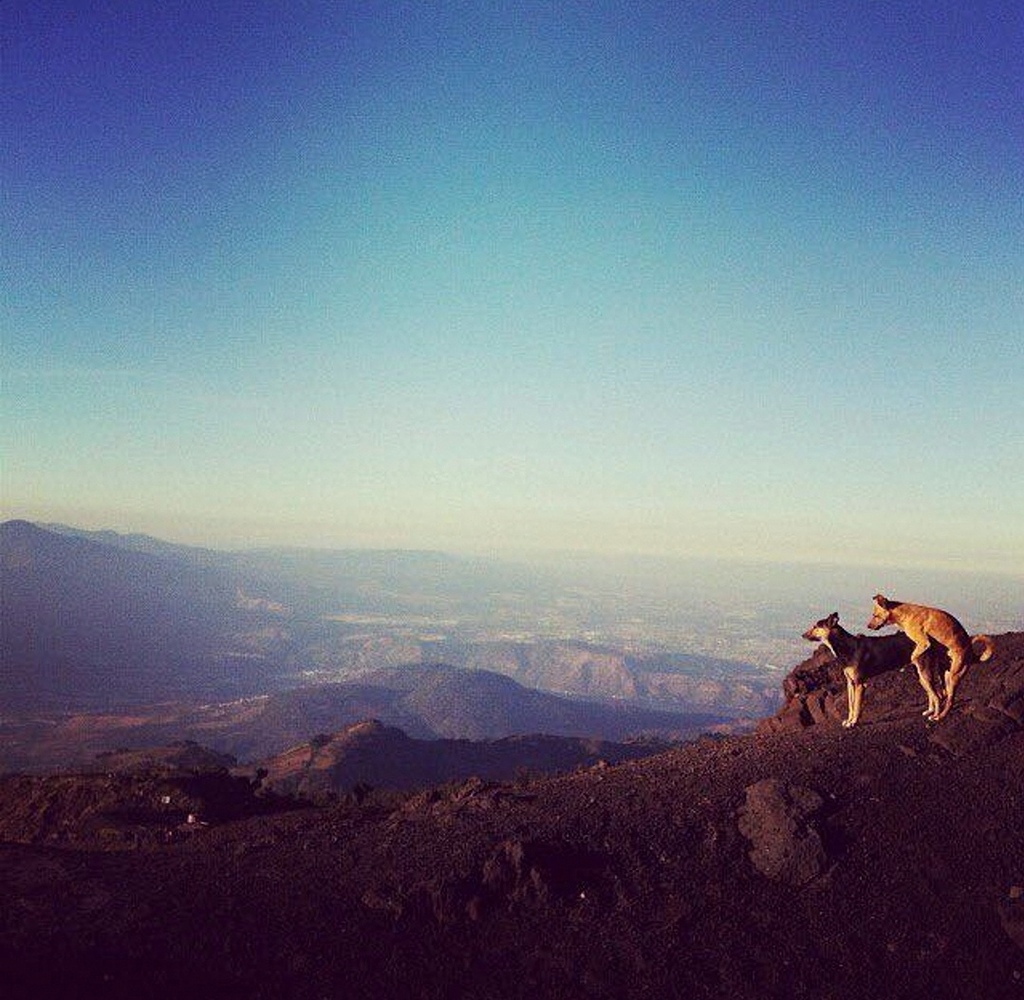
[[113, 640], [97, 620]]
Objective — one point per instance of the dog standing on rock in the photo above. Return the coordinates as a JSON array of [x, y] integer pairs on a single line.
[[925, 625], [862, 658]]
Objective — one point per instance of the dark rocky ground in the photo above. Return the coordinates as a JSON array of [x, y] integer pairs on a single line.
[[803, 861]]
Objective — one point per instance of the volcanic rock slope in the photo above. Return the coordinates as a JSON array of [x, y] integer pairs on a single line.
[[802, 861]]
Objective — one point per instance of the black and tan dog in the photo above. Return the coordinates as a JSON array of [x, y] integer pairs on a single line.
[[924, 625], [862, 657]]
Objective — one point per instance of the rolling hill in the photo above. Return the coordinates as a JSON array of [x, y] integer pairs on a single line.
[[425, 701], [370, 755]]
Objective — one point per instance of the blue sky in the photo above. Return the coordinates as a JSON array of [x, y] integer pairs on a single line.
[[743, 280]]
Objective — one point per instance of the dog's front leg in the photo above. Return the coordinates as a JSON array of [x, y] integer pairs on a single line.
[[853, 692], [858, 697]]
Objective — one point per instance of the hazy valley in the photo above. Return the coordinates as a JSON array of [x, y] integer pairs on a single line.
[[112, 640]]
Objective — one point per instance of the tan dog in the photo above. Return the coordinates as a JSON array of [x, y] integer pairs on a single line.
[[924, 625]]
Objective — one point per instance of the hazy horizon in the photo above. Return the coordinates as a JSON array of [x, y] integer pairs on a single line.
[[654, 565], [177, 533], [746, 611], [747, 577], [729, 282]]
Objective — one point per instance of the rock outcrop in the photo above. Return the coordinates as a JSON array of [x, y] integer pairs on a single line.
[[779, 821], [989, 705]]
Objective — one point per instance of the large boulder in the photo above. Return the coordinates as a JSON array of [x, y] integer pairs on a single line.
[[780, 821]]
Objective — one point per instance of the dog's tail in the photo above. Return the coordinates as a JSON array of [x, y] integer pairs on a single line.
[[982, 647]]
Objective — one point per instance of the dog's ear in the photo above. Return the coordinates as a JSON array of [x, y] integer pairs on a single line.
[[882, 602], [833, 619]]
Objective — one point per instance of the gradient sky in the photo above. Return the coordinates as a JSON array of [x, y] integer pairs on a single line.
[[736, 279]]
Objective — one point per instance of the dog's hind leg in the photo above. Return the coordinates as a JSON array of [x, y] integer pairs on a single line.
[[917, 657], [924, 675], [956, 666]]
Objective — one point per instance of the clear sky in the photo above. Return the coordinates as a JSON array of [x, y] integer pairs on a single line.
[[737, 279]]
